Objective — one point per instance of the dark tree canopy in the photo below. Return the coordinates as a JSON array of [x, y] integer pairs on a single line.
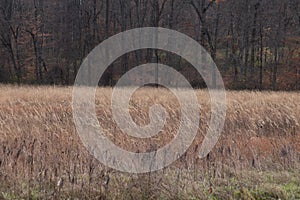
[[255, 43]]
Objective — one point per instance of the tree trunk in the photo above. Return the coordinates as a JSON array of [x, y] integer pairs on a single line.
[[261, 58], [274, 83]]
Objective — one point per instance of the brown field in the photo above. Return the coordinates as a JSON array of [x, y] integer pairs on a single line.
[[257, 156]]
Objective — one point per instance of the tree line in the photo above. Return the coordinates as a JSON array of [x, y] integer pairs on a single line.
[[255, 43]]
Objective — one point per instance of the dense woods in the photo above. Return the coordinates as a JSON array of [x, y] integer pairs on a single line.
[[255, 43]]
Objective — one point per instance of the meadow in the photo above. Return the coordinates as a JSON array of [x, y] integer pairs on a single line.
[[42, 157]]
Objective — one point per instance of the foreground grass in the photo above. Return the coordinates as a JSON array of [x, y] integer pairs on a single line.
[[41, 156], [172, 184]]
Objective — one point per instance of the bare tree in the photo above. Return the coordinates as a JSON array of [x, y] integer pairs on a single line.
[[10, 33], [36, 30]]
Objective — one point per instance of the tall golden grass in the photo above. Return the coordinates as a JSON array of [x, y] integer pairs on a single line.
[[42, 157]]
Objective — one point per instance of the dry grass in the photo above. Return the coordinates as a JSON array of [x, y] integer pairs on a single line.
[[39, 147]]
